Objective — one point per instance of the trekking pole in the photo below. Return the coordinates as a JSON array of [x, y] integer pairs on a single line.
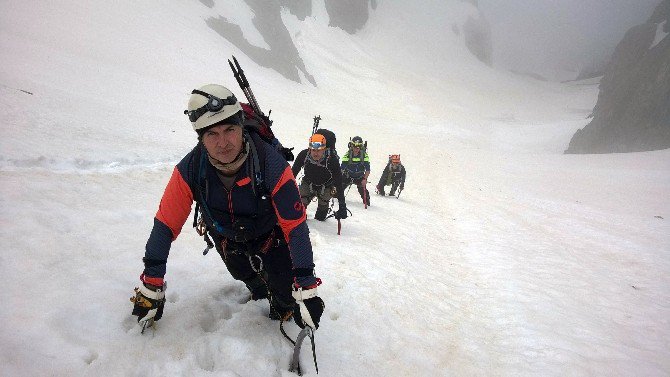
[[399, 191], [244, 85], [316, 124]]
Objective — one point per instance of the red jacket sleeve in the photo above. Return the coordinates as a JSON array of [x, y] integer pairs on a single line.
[[176, 203]]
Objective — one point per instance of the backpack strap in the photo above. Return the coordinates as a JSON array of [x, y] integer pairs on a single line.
[[199, 167], [198, 171], [194, 178], [257, 167]]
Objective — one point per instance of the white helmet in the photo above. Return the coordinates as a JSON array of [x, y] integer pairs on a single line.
[[211, 104]]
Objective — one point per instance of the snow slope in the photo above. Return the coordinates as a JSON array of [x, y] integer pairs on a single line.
[[501, 257]]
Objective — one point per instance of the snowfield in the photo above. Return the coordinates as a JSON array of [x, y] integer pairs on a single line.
[[501, 257]]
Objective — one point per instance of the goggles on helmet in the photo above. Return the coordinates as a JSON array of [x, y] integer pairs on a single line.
[[356, 145], [317, 145], [213, 104]]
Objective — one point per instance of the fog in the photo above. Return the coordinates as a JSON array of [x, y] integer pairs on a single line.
[[502, 257], [556, 39]]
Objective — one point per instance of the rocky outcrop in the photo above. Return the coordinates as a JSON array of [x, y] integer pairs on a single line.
[[477, 33], [283, 55], [349, 15], [633, 109], [299, 8]]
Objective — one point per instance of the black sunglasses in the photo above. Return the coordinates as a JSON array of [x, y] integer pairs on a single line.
[[213, 104]]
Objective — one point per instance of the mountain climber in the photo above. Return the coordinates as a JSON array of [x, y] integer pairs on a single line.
[[323, 177], [356, 167], [250, 206], [394, 175]]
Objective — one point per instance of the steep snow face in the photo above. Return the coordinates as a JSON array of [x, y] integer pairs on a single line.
[[660, 34], [501, 257], [434, 29], [410, 65], [271, 44]]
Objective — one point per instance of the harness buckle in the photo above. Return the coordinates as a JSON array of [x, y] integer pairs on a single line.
[[253, 266], [201, 228]]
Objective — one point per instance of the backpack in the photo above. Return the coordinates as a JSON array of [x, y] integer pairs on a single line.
[[255, 119], [330, 139], [364, 150], [354, 169], [261, 125]]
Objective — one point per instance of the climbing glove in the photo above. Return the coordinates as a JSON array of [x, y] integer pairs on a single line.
[[149, 301], [341, 212], [310, 307]]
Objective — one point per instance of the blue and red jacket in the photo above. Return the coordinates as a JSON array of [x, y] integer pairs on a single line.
[[278, 203]]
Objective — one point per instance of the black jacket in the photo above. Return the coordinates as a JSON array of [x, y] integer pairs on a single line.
[[392, 175], [324, 174], [224, 206]]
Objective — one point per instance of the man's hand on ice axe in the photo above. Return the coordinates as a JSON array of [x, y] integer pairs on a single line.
[[149, 301], [310, 307]]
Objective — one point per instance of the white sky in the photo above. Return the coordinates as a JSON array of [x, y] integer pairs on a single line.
[[502, 256], [557, 38]]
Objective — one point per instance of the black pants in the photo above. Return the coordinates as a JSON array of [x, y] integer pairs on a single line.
[[277, 271], [394, 187], [323, 194], [362, 190]]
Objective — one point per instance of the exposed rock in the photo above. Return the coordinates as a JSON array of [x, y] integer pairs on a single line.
[[477, 33], [633, 109], [349, 15], [595, 69], [208, 3], [299, 8], [283, 55]]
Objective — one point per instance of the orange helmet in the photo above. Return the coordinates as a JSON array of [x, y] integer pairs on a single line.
[[317, 141], [395, 158]]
